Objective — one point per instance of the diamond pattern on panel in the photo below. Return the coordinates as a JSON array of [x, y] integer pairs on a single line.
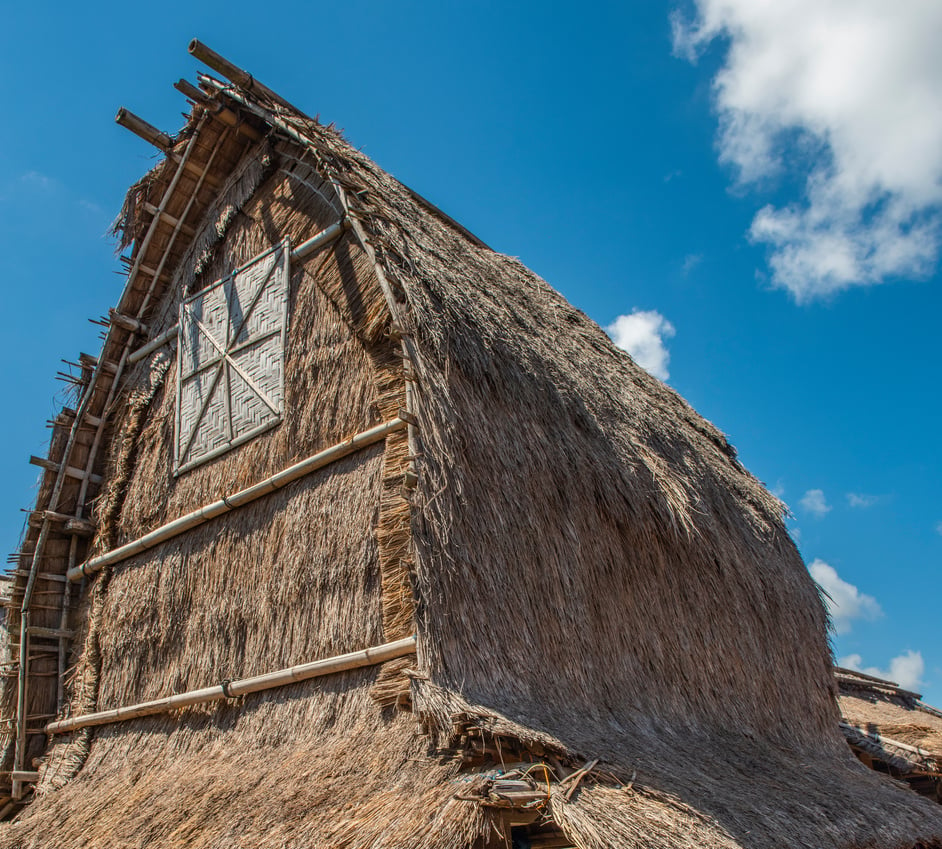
[[231, 359]]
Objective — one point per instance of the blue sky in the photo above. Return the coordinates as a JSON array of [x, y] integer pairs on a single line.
[[756, 186]]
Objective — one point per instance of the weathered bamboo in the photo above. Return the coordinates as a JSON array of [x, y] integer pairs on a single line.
[[141, 128], [224, 114], [410, 354], [126, 322], [22, 674], [233, 73], [227, 504], [320, 240], [233, 689], [192, 92], [158, 342], [182, 163], [879, 738]]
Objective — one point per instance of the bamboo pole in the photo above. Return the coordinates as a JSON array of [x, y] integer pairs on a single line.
[[132, 325], [233, 73], [320, 240], [223, 113], [153, 345], [191, 92], [879, 738], [229, 690], [231, 502], [142, 129], [22, 674]]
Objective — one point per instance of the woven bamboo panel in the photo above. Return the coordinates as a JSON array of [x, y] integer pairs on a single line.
[[231, 359]]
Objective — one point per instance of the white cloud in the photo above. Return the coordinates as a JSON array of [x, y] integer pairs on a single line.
[[938, 528], [905, 669], [642, 335], [844, 601], [847, 95], [856, 499], [815, 503]]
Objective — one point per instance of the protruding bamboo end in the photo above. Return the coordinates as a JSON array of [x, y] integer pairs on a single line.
[[141, 128], [220, 64]]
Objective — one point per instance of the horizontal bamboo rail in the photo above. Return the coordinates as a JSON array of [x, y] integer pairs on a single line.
[[881, 740], [319, 240], [245, 496], [153, 345], [233, 689]]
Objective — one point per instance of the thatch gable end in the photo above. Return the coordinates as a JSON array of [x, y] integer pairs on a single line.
[[617, 642]]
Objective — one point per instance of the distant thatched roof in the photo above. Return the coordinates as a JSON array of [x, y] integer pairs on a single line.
[[618, 643], [892, 729]]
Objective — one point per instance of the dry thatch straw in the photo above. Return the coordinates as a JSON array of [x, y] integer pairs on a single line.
[[892, 730], [590, 572]]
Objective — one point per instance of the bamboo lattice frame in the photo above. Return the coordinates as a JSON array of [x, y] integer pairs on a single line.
[[231, 343]]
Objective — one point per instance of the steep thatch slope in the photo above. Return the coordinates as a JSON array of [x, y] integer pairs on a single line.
[[595, 565], [596, 578]]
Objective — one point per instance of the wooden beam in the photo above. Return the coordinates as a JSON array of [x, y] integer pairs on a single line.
[[171, 220], [71, 471], [50, 633], [126, 322], [40, 576], [195, 170]]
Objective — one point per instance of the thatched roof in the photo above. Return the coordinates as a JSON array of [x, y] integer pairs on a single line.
[[892, 729], [601, 594]]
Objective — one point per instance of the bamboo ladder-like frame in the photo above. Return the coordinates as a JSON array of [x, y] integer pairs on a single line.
[[100, 374]]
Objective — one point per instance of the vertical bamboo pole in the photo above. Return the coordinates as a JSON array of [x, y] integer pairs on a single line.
[[19, 751], [22, 683]]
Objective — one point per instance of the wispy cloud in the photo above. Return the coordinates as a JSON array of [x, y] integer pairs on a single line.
[[37, 181], [845, 95], [938, 528], [691, 261], [856, 499], [844, 601], [33, 189], [814, 502], [642, 334], [906, 669]]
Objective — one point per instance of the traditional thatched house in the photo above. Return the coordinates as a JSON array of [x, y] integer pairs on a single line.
[[892, 730], [535, 599]]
